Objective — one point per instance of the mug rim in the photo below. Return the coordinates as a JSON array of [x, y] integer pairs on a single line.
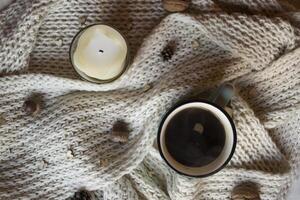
[[197, 101]]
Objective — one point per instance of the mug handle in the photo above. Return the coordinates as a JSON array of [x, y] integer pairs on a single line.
[[222, 95]]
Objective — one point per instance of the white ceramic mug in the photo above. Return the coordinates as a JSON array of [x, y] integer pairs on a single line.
[[214, 105]]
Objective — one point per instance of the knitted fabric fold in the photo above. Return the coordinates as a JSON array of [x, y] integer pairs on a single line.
[[216, 42]]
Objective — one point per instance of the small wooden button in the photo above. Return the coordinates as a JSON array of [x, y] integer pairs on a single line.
[[32, 107], [83, 195], [120, 132], [176, 5], [245, 191], [168, 51]]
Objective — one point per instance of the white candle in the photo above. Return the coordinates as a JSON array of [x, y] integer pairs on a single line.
[[100, 53]]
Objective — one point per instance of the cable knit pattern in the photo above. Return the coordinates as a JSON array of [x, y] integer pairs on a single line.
[[253, 44]]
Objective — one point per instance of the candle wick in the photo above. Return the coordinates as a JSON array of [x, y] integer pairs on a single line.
[[101, 51]]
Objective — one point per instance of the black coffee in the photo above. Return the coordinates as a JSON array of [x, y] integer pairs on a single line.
[[194, 137]]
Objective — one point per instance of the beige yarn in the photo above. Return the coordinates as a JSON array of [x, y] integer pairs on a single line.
[[66, 148]]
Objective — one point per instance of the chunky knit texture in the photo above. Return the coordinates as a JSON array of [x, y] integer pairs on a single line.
[[66, 148]]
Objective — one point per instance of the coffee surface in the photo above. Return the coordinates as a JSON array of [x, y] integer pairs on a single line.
[[195, 137]]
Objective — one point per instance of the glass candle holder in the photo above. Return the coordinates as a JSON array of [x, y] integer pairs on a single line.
[[99, 53]]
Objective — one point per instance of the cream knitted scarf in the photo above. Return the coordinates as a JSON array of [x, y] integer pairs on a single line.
[[252, 43]]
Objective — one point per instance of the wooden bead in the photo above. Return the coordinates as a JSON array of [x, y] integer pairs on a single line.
[[120, 132], [168, 51], [245, 192], [176, 5], [83, 195], [32, 107]]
